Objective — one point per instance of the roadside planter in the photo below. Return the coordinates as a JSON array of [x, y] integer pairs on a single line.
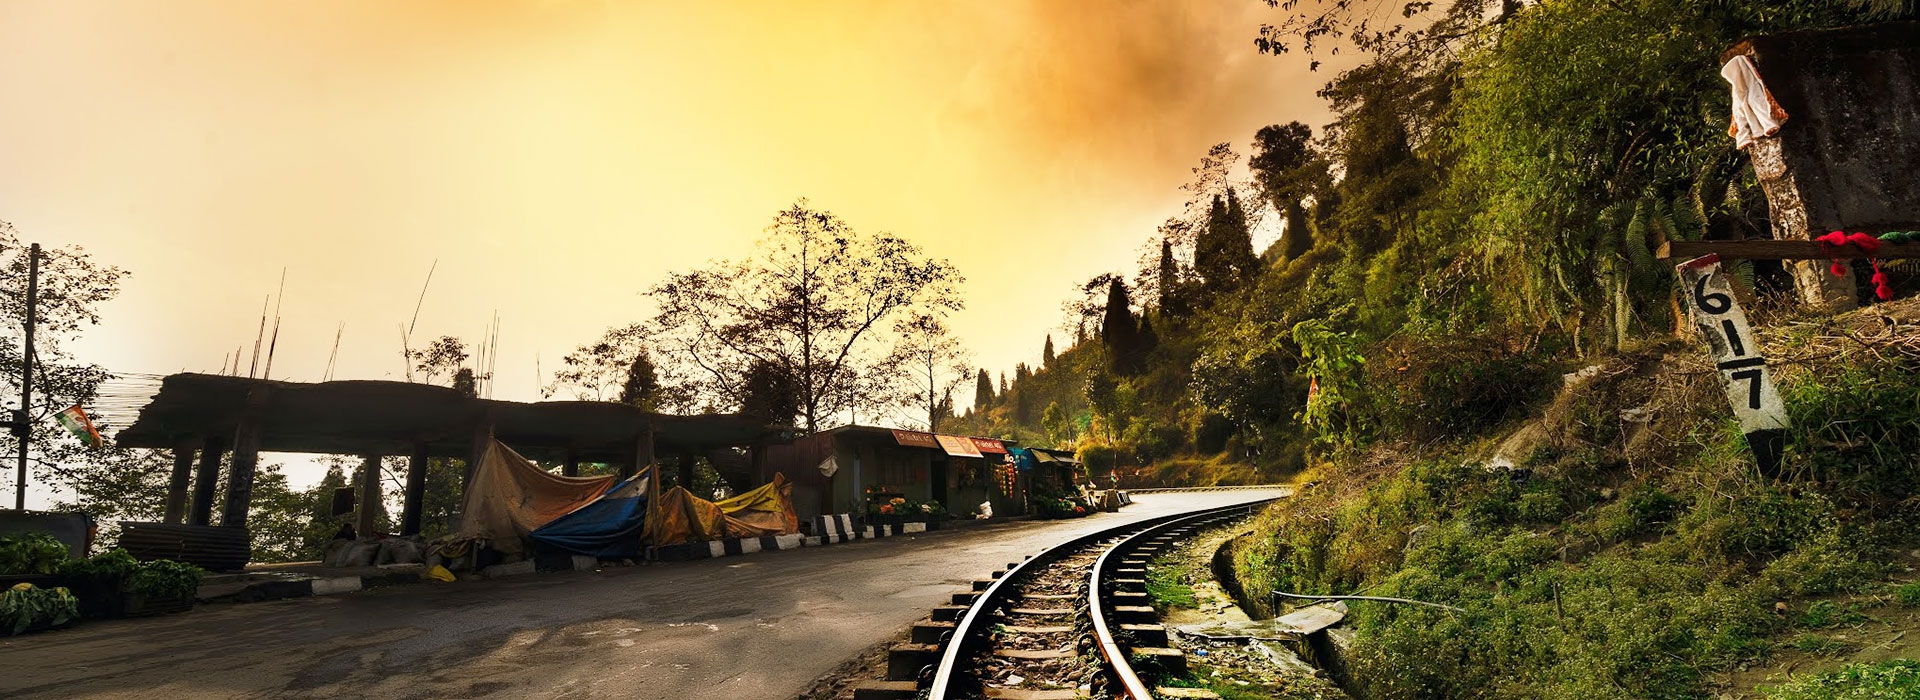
[[162, 587], [899, 511]]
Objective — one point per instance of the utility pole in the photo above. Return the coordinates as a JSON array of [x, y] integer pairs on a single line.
[[22, 425]]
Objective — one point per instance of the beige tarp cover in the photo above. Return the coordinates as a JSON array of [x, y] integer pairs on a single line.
[[511, 496], [681, 517]]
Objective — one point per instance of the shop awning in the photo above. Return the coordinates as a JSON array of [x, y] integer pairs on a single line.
[[958, 446], [989, 446], [908, 438]]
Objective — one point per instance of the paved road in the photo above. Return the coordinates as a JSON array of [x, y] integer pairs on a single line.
[[758, 626]]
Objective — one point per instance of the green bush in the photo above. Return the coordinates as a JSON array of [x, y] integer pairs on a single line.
[[1908, 595], [166, 579], [1887, 680], [112, 564], [31, 553]]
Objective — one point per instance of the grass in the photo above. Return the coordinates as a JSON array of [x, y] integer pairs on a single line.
[[1887, 680], [1167, 584], [1601, 572], [1908, 595]]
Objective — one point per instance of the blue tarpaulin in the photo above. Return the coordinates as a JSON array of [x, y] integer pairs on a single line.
[[609, 527]]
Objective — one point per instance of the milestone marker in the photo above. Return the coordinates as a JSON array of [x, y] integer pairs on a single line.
[[1736, 352]]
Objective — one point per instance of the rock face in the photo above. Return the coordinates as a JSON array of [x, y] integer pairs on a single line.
[[1843, 159]]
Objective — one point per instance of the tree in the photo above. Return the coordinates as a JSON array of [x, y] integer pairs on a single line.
[[805, 306], [1120, 331], [1058, 425], [444, 356], [982, 391], [642, 385], [1280, 164], [934, 364], [72, 286], [1046, 354], [770, 394], [1172, 301], [1223, 255]]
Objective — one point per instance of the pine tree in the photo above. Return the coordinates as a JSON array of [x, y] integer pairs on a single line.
[[982, 391], [1003, 383], [642, 382], [1170, 296], [1238, 242], [1046, 356], [1119, 330], [1147, 340]]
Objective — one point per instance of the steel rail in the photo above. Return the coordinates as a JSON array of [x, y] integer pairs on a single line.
[[967, 630], [1130, 683]]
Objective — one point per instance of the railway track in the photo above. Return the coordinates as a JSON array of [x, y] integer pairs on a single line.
[[1071, 622]]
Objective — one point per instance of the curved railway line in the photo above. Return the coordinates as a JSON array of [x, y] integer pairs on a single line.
[[1073, 621]]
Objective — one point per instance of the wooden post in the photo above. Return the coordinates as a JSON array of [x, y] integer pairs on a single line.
[[246, 459], [572, 467], [206, 481], [476, 451], [366, 521], [643, 454], [757, 458], [415, 496], [685, 462], [179, 481]]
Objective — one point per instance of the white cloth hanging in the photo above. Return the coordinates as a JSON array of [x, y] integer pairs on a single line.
[[1755, 114]]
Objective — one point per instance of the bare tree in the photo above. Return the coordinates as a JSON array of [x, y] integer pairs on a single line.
[[932, 363]]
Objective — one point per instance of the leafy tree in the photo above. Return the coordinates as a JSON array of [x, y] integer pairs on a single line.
[[933, 364], [805, 308], [1281, 164], [1058, 425], [619, 367], [444, 357], [770, 394]]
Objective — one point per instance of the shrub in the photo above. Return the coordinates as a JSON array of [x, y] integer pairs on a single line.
[[1908, 595], [166, 579], [113, 564], [1898, 679], [31, 553]]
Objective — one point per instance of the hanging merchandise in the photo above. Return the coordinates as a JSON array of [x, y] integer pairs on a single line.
[[75, 420], [1755, 113], [1866, 243]]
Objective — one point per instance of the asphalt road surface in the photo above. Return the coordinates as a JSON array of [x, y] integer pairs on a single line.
[[757, 626]]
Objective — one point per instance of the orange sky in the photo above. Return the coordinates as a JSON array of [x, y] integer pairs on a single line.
[[557, 157]]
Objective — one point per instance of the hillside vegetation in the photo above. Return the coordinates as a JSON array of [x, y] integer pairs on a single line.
[[1473, 228]]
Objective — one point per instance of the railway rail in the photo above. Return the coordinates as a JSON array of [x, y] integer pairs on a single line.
[[1073, 621]]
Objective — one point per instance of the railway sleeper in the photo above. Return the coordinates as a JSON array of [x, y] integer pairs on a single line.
[[934, 632], [905, 662], [886, 690]]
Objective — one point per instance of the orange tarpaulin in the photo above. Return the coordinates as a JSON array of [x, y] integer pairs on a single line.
[[511, 496], [767, 510]]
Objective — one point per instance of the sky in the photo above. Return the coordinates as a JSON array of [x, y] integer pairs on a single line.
[[552, 159]]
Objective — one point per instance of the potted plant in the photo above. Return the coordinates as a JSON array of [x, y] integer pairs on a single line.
[[161, 587], [25, 608], [101, 582]]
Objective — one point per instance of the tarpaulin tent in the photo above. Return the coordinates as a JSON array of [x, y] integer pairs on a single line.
[[510, 497], [767, 510], [684, 517], [609, 528]]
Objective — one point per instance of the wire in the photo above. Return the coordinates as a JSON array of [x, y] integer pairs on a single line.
[[1382, 599]]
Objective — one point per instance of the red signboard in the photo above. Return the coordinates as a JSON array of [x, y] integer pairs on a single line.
[[913, 439], [990, 446]]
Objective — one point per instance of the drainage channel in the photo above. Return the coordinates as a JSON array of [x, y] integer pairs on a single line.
[[1071, 622]]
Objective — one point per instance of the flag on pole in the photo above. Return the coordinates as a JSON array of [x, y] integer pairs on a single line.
[[75, 420]]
